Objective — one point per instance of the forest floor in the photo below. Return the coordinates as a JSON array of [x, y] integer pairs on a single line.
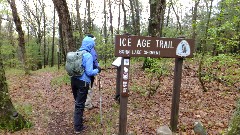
[[50, 107]]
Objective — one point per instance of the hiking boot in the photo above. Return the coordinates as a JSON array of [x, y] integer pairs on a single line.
[[89, 106], [83, 128]]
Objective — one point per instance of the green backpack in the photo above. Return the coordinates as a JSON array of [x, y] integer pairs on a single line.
[[74, 63]]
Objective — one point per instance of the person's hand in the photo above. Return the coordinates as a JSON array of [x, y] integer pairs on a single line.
[[99, 69]]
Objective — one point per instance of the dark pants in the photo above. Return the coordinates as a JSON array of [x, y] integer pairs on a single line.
[[92, 80], [80, 91]]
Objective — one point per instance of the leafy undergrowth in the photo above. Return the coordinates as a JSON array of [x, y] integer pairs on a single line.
[[50, 105]]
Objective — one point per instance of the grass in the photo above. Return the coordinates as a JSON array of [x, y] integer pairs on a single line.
[[24, 109], [14, 72], [50, 69], [234, 127], [138, 89], [58, 81]]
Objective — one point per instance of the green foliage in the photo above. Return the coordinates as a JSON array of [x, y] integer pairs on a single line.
[[170, 32], [148, 62], [9, 55], [159, 67], [223, 68], [234, 126], [138, 89], [58, 81], [105, 50], [14, 125], [26, 111], [33, 55], [14, 72]]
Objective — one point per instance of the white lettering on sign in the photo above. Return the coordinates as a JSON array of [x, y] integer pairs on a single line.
[[143, 43], [125, 84], [127, 51], [136, 51], [152, 52], [145, 52], [164, 44], [124, 90], [121, 51], [125, 42]]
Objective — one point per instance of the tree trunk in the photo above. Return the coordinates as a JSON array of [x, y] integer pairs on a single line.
[[11, 38], [105, 31], [219, 23], [178, 19], [157, 10], [10, 119], [61, 43], [119, 17], [124, 17], [137, 17], [105, 23], [89, 24], [79, 24], [168, 15], [194, 20], [133, 17], [64, 18], [204, 49], [53, 38], [111, 20], [21, 42], [45, 61]]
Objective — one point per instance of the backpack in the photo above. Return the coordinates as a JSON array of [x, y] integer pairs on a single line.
[[74, 63]]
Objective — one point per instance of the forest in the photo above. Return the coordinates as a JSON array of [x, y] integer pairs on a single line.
[[35, 89]]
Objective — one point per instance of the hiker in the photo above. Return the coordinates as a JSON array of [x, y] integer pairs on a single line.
[[80, 84], [88, 103]]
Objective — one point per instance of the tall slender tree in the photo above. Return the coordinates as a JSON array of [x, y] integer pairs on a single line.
[[194, 19], [178, 18], [79, 24], [65, 21], [137, 19], [110, 18], [204, 45], [53, 38], [124, 16], [21, 40], [45, 58], [89, 22]]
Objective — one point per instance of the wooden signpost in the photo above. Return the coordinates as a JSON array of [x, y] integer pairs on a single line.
[[127, 46]]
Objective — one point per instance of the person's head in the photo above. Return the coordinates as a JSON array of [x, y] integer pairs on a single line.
[[87, 44], [90, 35]]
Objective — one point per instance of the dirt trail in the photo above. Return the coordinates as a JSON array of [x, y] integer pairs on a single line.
[[52, 107]]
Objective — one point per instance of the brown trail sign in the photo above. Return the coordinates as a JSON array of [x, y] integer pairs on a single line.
[[139, 46], [155, 47]]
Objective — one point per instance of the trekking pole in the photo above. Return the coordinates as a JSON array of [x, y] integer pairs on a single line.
[[100, 99]]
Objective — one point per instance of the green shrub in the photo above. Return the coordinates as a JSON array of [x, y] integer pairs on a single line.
[[234, 127], [223, 68]]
